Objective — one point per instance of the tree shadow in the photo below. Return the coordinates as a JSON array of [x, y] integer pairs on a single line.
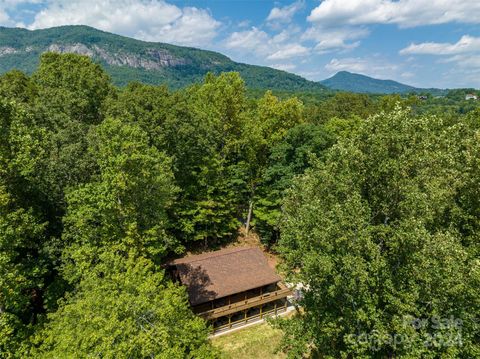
[[196, 279]]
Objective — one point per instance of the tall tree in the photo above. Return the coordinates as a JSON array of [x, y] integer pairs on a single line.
[[124, 207], [373, 236], [15, 85], [124, 308], [71, 94], [25, 261], [289, 158], [23, 267], [267, 127], [72, 85], [204, 137], [146, 105]]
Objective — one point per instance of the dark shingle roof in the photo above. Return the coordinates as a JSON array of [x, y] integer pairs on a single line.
[[218, 274]]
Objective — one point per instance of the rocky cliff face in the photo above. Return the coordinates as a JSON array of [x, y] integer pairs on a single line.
[[6, 50], [153, 59]]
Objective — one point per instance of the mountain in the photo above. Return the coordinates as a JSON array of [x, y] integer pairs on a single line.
[[347, 81], [127, 59]]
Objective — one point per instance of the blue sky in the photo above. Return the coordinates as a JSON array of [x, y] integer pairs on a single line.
[[426, 43]]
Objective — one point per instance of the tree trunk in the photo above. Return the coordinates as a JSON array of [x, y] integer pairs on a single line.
[[37, 304], [249, 216]]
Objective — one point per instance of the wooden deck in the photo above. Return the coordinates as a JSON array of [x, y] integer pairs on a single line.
[[278, 310], [239, 306]]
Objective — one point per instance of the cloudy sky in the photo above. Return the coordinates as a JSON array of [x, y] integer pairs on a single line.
[[427, 43]]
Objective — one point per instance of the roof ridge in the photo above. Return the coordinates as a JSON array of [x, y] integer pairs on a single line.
[[234, 250], [213, 254]]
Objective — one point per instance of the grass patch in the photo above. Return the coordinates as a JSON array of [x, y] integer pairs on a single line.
[[257, 341]]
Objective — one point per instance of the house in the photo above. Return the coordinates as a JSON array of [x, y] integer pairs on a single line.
[[231, 287], [471, 96]]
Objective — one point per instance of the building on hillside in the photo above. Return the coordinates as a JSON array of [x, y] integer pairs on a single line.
[[231, 287], [471, 96]]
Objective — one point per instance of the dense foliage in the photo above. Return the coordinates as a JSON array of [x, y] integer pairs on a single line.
[[383, 234], [371, 201]]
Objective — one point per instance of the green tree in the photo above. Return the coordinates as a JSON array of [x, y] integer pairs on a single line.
[[15, 85], [146, 105], [71, 94], [72, 85], [124, 308], [23, 268], [343, 105], [266, 127], [373, 234], [275, 117], [124, 207], [65, 97], [289, 158], [203, 135], [24, 257]]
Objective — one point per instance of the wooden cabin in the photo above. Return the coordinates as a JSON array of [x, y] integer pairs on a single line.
[[231, 287]]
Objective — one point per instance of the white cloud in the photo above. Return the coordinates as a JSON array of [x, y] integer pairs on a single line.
[[329, 45], [405, 13], [12, 14], [464, 55], [338, 25], [407, 75], [18, 2], [348, 64], [466, 61], [319, 33], [464, 73], [314, 75], [194, 27], [466, 44], [5, 19], [374, 67], [464, 65], [153, 20], [244, 23], [335, 39], [249, 40], [7, 6], [286, 13], [261, 44], [289, 51], [268, 49], [283, 36], [122, 16], [284, 67], [11, 4]]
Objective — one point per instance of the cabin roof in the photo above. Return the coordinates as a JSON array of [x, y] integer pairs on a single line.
[[218, 274]]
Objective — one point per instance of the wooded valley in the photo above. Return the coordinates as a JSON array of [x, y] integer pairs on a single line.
[[371, 202]]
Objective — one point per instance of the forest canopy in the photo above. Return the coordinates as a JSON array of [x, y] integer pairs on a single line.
[[372, 203]]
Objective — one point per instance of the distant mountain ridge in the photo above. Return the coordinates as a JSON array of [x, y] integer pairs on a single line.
[[127, 59], [352, 82]]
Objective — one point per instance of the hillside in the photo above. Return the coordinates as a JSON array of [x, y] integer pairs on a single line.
[[347, 81], [128, 59]]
